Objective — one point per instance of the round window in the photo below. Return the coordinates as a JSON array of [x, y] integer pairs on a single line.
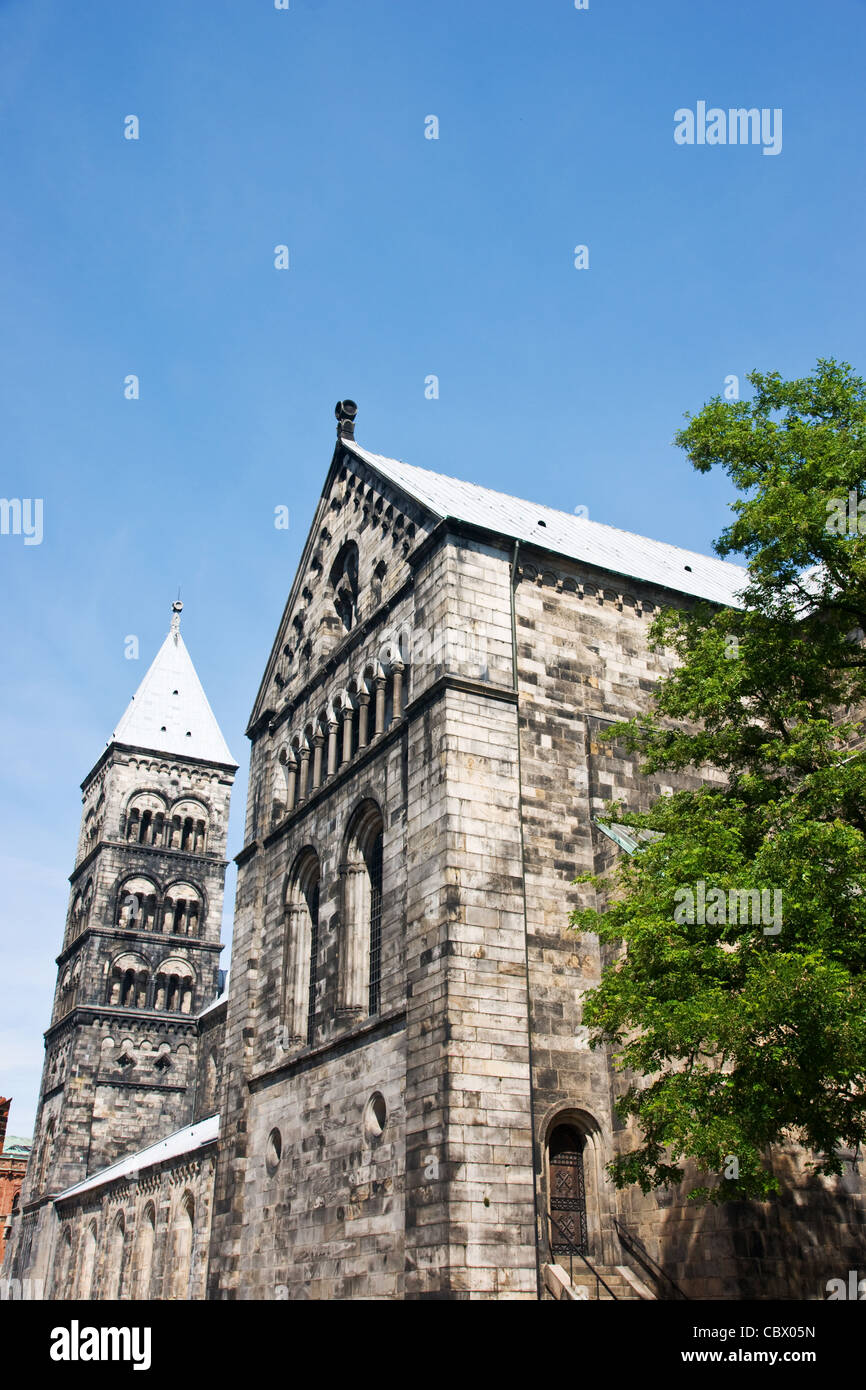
[[274, 1151], [375, 1115]]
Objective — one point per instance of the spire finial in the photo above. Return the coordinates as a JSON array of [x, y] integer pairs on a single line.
[[345, 412], [176, 610]]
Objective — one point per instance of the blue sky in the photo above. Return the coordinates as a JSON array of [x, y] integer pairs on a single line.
[[408, 257]]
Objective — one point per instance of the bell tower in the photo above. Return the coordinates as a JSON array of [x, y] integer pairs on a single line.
[[141, 943]]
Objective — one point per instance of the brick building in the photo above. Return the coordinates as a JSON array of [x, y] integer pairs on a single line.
[[13, 1163], [408, 1105]]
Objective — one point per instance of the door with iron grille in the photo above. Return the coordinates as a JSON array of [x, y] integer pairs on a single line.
[[567, 1192]]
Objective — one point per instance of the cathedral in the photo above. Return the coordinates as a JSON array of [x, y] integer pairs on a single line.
[[393, 1097]]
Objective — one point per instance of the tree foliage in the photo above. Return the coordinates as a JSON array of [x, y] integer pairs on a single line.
[[743, 1035]]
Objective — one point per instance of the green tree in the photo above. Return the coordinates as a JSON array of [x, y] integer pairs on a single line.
[[741, 1035]]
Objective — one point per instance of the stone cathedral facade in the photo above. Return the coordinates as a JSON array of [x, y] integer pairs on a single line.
[[395, 1099]]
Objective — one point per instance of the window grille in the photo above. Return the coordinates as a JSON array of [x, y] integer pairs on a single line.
[[375, 871], [314, 960]]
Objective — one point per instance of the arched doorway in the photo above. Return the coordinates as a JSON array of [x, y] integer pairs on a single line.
[[567, 1192]]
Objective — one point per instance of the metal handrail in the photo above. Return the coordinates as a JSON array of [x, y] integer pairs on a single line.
[[639, 1252], [590, 1267]]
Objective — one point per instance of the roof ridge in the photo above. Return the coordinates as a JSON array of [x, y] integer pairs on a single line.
[[594, 542]]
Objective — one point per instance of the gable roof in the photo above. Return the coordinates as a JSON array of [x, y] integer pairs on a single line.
[[605, 547], [169, 711], [183, 1141]]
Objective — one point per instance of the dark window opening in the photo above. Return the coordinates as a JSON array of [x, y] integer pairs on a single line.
[[375, 870]]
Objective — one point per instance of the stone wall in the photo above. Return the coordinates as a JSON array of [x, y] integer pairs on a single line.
[[119, 1074], [145, 1237], [584, 663]]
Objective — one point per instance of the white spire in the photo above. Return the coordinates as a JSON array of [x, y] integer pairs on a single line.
[[169, 712]]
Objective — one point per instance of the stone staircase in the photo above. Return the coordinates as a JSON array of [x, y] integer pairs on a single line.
[[583, 1287]]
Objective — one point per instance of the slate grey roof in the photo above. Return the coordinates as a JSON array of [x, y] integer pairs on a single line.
[[169, 711], [181, 1142], [606, 547]]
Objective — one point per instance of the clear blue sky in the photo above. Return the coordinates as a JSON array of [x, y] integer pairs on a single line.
[[408, 257]]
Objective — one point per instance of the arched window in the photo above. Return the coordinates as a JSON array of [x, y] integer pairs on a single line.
[[75, 983], [181, 913], [374, 869], [128, 981], [285, 783], [145, 819], [211, 1079], [187, 828], [360, 972], [63, 1268], [45, 1155], [64, 1001], [87, 1268], [137, 904], [181, 1248], [114, 1262], [175, 986], [80, 909], [344, 582], [353, 713], [301, 955], [313, 904], [145, 1237]]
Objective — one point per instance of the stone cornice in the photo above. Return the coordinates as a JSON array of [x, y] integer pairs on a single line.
[[152, 1018], [212, 861], [416, 706], [155, 755], [122, 935]]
